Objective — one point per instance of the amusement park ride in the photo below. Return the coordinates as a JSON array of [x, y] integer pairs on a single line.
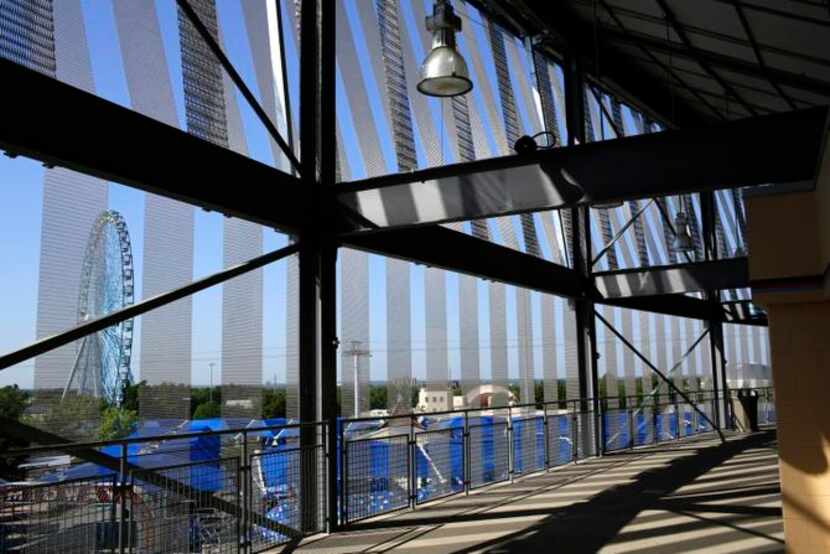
[[102, 360]]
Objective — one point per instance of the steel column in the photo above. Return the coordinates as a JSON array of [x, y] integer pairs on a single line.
[[309, 260], [581, 250], [328, 251]]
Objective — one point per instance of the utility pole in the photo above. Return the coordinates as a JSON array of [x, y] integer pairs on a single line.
[[356, 353], [210, 390]]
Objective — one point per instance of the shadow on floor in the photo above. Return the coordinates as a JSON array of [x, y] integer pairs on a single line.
[[737, 503]]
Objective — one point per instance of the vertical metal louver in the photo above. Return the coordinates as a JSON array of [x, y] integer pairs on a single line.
[[27, 34], [51, 39], [740, 218], [606, 231], [512, 133], [209, 108], [166, 332], [204, 99], [399, 338], [404, 138]]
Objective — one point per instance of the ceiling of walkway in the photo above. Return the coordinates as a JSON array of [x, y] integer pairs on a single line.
[[714, 59]]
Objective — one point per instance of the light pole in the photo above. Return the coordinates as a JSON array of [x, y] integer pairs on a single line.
[[356, 352], [210, 390]]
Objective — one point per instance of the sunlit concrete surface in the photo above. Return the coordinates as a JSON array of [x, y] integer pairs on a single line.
[[699, 496]]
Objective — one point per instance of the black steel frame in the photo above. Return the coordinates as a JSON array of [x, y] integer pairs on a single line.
[[317, 220]]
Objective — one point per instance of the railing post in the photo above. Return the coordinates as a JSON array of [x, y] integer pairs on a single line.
[[341, 452], [465, 447], [574, 435], [344, 486], [246, 496], [122, 495], [676, 421], [655, 417], [240, 477], [546, 430], [631, 427], [511, 462], [410, 464]]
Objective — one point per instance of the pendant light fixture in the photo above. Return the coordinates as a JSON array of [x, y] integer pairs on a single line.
[[444, 72], [607, 205], [682, 239]]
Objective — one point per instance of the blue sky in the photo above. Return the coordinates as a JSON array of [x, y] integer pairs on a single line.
[[21, 187]]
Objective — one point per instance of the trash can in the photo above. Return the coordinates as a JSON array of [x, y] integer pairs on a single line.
[[746, 412]]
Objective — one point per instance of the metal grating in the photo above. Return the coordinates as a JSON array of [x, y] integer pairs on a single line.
[[439, 463], [528, 445], [489, 453], [166, 519], [376, 478], [276, 492], [75, 516]]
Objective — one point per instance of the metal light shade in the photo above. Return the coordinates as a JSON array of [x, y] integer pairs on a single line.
[[566, 185], [609, 205], [444, 72], [682, 239]]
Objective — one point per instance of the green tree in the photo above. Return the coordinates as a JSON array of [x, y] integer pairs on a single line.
[[377, 397], [116, 423], [202, 395], [273, 403], [75, 417], [207, 410], [129, 395], [13, 402]]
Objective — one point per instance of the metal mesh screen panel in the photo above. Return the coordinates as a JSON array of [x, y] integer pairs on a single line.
[[528, 445], [439, 463], [276, 492], [560, 440], [73, 517], [376, 476], [643, 426], [166, 519], [489, 453]]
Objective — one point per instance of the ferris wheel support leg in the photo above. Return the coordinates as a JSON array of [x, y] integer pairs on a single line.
[[74, 370]]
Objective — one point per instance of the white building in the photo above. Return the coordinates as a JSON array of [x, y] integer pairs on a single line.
[[434, 400]]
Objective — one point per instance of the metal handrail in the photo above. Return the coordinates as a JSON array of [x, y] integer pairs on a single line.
[[158, 438]]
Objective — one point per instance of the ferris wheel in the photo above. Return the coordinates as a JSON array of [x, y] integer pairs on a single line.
[[102, 360]]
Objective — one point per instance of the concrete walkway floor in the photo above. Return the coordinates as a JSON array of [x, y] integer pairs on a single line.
[[694, 496]]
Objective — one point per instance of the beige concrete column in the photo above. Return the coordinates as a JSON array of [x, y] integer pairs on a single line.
[[789, 246]]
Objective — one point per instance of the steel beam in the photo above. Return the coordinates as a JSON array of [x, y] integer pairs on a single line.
[[732, 273], [680, 32], [750, 34], [734, 154], [567, 31], [203, 31], [660, 374], [673, 304], [55, 341], [454, 251], [719, 60], [85, 133]]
